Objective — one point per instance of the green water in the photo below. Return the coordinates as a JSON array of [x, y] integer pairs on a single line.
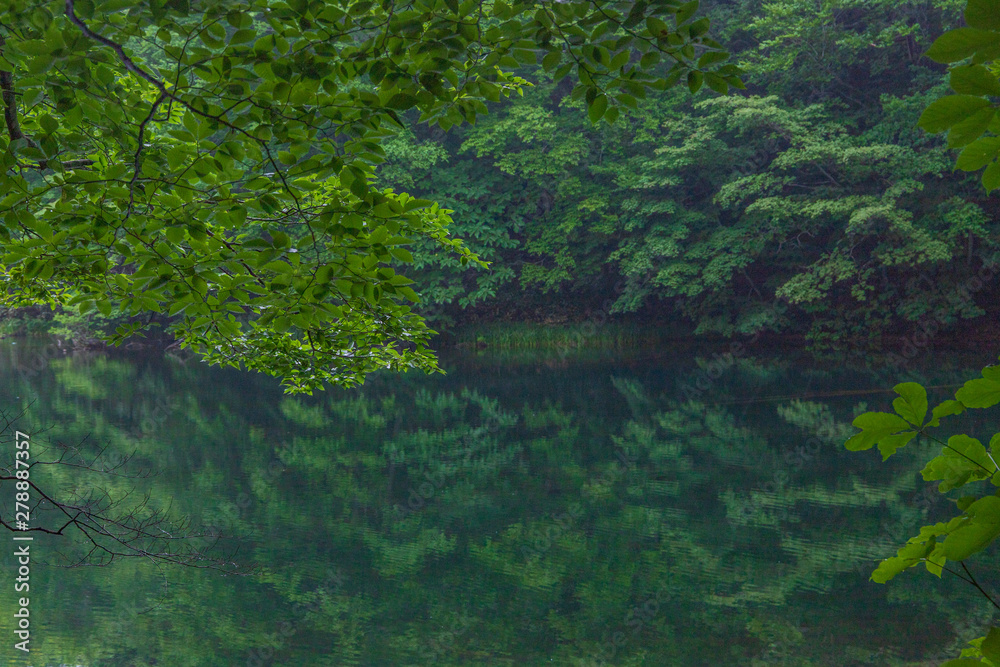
[[550, 510]]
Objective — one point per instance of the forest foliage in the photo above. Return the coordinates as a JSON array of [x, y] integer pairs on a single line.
[[212, 163], [810, 203]]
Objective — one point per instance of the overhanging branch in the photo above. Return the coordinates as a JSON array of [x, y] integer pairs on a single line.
[[13, 124]]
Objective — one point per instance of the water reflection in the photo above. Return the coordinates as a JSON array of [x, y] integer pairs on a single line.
[[512, 512]]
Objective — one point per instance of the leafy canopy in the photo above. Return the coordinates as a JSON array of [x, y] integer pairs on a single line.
[[970, 116], [963, 461], [212, 163]]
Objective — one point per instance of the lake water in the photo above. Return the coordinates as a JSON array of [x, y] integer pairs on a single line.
[[660, 508]]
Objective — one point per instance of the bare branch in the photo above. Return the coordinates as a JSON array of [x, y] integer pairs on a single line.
[[116, 526]]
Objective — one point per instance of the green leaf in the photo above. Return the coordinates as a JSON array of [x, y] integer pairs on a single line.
[[40, 64], [711, 58], [990, 647], [177, 307], [377, 71], [636, 14], [979, 393], [402, 254], [977, 533], [944, 113], [991, 177], [48, 123], [888, 445], [686, 11], [378, 235], [978, 154], [890, 567], [649, 60], [876, 426], [964, 502], [912, 402], [627, 100], [359, 188], [281, 324], [408, 293], [962, 43], [963, 460], [717, 83], [983, 14], [73, 116], [974, 80], [597, 108], [657, 27], [945, 409], [33, 47], [280, 239], [175, 234], [243, 36], [973, 127], [176, 156], [401, 101], [699, 27], [695, 79], [934, 567], [551, 60]]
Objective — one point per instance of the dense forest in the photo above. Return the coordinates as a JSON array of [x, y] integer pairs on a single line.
[[808, 204]]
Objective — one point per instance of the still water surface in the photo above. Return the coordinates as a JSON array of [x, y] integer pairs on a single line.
[[630, 510]]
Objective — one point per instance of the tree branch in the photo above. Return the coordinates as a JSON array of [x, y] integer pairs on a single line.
[[10, 107], [162, 88], [138, 151], [14, 125], [117, 48], [10, 103]]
